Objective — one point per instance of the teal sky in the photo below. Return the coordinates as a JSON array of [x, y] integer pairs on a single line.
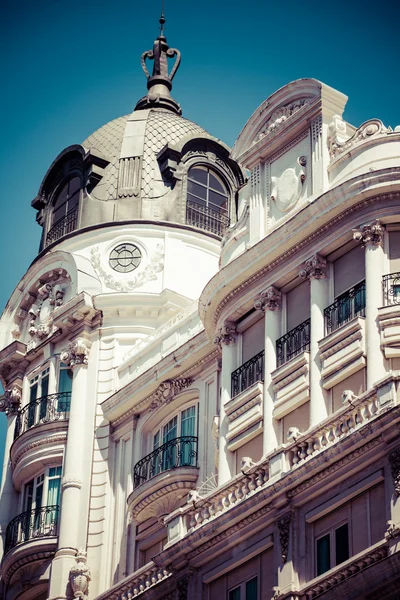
[[69, 67]]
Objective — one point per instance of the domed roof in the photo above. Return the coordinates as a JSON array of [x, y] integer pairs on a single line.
[[161, 127]]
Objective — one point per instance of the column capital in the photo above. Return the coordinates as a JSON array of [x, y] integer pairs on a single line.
[[10, 401], [371, 233], [226, 334], [314, 268], [77, 353], [269, 299]]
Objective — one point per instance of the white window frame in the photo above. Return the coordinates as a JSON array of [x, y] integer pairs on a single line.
[[332, 544]]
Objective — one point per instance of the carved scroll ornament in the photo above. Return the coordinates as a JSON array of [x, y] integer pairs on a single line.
[[77, 353], [167, 391]]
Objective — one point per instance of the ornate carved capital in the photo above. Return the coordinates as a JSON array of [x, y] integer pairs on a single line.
[[77, 353], [314, 268], [71, 480], [10, 401], [167, 390], [79, 575], [226, 335], [394, 460], [284, 535], [269, 299], [369, 234]]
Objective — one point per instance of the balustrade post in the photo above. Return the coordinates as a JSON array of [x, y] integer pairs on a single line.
[[71, 535], [315, 270], [269, 302], [226, 339], [371, 237]]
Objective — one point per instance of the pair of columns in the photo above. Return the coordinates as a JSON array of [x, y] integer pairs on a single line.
[[269, 301]]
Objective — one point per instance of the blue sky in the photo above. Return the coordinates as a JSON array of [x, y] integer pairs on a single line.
[[70, 67]]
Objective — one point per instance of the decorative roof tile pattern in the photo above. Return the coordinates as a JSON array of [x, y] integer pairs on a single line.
[[162, 127], [108, 141]]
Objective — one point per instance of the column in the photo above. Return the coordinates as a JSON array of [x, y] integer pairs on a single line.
[[9, 403], [71, 536], [226, 339], [270, 302], [315, 270], [371, 237]]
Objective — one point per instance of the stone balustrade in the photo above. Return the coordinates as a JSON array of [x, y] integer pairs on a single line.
[[135, 585]]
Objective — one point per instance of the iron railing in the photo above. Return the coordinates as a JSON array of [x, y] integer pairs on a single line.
[[63, 226], [391, 289], [178, 452], [294, 342], [32, 524], [206, 218], [246, 375], [54, 407], [346, 307]]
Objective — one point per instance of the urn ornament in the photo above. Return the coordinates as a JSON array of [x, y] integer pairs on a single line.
[[79, 575]]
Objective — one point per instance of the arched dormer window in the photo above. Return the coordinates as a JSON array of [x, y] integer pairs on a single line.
[[64, 215], [207, 205]]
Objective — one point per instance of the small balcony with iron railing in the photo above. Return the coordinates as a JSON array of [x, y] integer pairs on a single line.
[[346, 307], [54, 407], [293, 343], [389, 315], [207, 218], [31, 532], [163, 477], [65, 225]]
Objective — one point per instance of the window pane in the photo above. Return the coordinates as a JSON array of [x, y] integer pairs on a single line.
[[323, 554], [197, 190], [198, 175], [234, 594], [65, 380], [73, 201], [62, 197], [216, 185], [74, 186], [251, 589], [217, 200], [342, 543]]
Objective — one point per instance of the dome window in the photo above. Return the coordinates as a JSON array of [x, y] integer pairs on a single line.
[[207, 201], [64, 217]]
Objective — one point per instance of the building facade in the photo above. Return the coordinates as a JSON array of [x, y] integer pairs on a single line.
[[202, 364]]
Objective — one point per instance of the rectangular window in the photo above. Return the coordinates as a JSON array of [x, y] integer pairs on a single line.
[[245, 591], [64, 388], [38, 398], [332, 549]]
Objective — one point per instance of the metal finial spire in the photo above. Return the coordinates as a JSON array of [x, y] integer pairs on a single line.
[[162, 19]]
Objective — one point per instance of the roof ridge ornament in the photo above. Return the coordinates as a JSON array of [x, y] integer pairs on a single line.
[[159, 84]]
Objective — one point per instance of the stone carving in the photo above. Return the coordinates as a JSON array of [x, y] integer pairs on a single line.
[[348, 396], [246, 464], [394, 460], [369, 234], [279, 116], [293, 434], [284, 535], [77, 353], [129, 176], [48, 297], [167, 390], [145, 274], [182, 587], [286, 190], [79, 575], [314, 268], [71, 480], [270, 299], [226, 335], [277, 593], [392, 531], [10, 401], [337, 130]]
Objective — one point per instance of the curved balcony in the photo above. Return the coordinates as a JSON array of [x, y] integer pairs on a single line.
[[54, 407], [207, 218], [163, 477], [63, 226]]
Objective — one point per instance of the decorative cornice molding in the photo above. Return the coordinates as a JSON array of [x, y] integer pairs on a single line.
[[394, 461], [226, 335], [167, 390], [371, 233], [77, 353], [279, 116], [314, 268], [269, 299]]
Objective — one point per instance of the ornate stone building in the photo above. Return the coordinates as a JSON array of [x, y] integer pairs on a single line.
[[202, 363]]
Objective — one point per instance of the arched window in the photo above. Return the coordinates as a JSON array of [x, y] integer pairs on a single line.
[[207, 200], [64, 216]]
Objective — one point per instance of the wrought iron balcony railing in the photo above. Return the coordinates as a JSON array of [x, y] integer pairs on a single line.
[[391, 289], [206, 218], [346, 307], [178, 452], [63, 226], [294, 342], [246, 375], [32, 524], [54, 407]]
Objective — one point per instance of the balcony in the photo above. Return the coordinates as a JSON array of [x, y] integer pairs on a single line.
[[346, 307], [389, 316], [294, 342], [54, 407], [206, 218], [63, 226], [163, 477], [247, 375]]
